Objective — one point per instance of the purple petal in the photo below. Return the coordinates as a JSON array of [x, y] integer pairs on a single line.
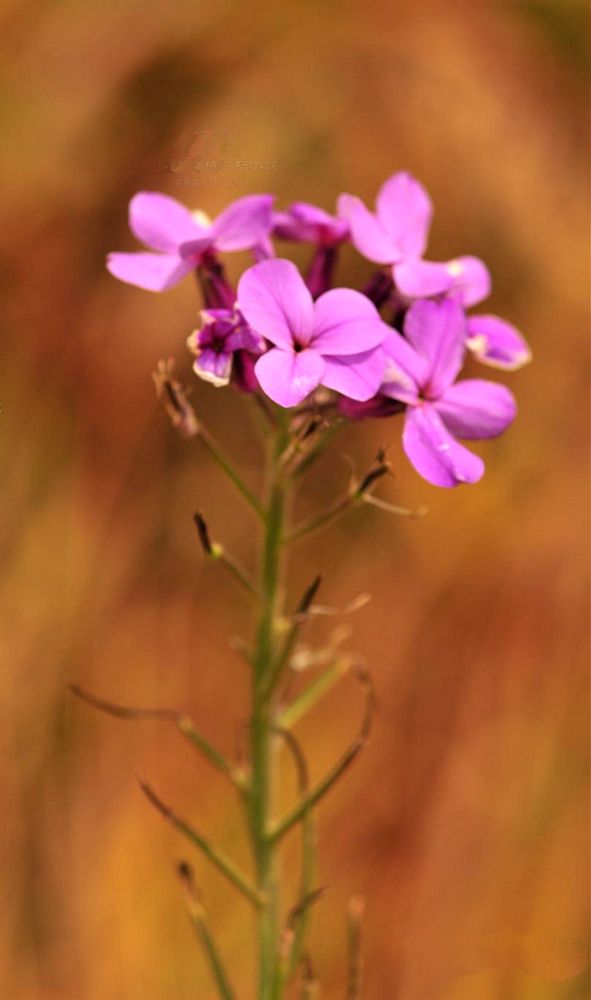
[[346, 322], [468, 277], [263, 250], [471, 279], [438, 331], [160, 222], [404, 209], [406, 369], [153, 271], [357, 376], [435, 454], [244, 224], [421, 278], [193, 250], [497, 343], [475, 409], [367, 232], [274, 300], [213, 366], [308, 223], [288, 377], [246, 339]]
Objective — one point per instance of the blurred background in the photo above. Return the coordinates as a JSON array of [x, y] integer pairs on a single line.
[[464, 822]]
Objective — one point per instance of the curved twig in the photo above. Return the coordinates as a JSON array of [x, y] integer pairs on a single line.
[[197, 916], [350, 754], [183, 723], [219, 860]]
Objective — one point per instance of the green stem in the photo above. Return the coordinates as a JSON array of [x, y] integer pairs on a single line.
[[278, 831], [313, 693], [325, 517], [198, 918], [217, 970], [219, 860], [234, 774], [263, 721], [224, 462]]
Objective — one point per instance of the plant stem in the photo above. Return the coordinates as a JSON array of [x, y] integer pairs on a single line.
[[224, 462], [307, 699], [221, 862], [198, 918], [263, 720]]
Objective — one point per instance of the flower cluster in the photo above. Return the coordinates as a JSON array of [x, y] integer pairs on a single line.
[[399, 344]]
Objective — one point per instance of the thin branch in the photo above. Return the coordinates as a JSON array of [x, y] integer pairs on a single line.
[[198, 919], [298, 758], [354, 495], [224, 462], [310, 987], [182, 722], [217, 553], [392, 508], [261, 416], [301, 613], [218, 859], [351, 753], [282, 972], [175, 400], [308, 596], [320, 520], [355, 976], [295, 915], [297, 919], [313, 693], [317, 449]]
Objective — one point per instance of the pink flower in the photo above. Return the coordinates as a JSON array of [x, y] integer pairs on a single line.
[[181, 238], [305, 223], [333, 341], [223, 335], [421, 371], [396, 233]]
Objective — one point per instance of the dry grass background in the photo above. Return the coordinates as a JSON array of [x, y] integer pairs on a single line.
[[464, 824]]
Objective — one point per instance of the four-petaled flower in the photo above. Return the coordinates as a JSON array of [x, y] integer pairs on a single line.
[[333, 341], [421, 371], [396, 233], [181, 238], [222, 334]]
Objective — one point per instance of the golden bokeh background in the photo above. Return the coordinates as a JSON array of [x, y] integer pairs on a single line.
[[464, 822]]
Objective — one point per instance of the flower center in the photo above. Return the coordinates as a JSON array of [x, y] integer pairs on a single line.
[[218, 343]]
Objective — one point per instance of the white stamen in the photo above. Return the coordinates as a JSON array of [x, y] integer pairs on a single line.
[[478, 344], [201, 218], [455, 268]]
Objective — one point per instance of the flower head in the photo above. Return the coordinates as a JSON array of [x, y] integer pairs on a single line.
[[421, 371], [396, 233], [222, 335], [181, 238], [333, 341]]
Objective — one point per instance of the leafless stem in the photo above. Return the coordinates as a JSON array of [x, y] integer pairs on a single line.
[[218, 859]]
